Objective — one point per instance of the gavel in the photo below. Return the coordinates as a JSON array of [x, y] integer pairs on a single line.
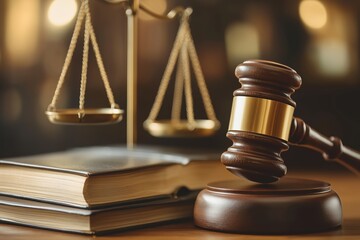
[[262, 125]]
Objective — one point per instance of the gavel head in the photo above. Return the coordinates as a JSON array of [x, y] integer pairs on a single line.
[[260, 120]]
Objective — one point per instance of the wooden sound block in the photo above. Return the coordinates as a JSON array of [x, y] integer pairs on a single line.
[[285, 207]]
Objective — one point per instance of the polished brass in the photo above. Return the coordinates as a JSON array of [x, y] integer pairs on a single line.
[[132, 37], [184, 55], [112, 115], [133, 7], [181, 128], [263, 116], [90, 116]]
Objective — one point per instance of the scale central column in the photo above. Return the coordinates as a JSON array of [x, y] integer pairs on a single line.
[[132, 43]]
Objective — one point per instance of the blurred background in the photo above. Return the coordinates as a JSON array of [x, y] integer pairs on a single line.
[[319, 39]]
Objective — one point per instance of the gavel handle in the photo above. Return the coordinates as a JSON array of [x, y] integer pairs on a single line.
[[332, 148]]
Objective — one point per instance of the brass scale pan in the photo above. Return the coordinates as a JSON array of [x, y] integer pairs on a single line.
[[81, 115], [157, 128], [88, 116], [182, 128]]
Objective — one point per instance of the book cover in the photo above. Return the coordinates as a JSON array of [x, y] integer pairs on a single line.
[[96, 176]]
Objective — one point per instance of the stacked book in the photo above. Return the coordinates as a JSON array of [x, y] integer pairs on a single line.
[[102, 189]]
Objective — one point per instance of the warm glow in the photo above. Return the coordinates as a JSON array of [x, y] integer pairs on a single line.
[[332, 57], [313, 13], [242, 42], [22, 32], [61, 12]]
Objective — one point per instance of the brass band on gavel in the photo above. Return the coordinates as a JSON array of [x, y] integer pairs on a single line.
[[263, 116]]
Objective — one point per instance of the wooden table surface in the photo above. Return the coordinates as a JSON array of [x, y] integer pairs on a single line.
[[346, 185]]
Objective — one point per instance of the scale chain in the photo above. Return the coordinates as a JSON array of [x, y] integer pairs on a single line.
[[167, 73], [184, 45], [85, 58], [69, 55], [209, 108], [178, 93], [89, 35], [187, 79], [100, 64]]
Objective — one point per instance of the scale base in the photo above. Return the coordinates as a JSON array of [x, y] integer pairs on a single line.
[[286, 207]]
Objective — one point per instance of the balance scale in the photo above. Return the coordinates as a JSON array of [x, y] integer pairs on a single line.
[[225, 206], [183, 56]]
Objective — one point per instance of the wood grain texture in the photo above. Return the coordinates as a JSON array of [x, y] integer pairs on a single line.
[[331, 148], [255, 153], [266, 79], [291, 205], [346, 185], [256, 156]]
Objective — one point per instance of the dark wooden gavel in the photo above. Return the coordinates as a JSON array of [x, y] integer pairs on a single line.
[[262, 125]]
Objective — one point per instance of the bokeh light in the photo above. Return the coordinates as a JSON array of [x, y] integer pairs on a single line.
[[313, 13], [61, 12]]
